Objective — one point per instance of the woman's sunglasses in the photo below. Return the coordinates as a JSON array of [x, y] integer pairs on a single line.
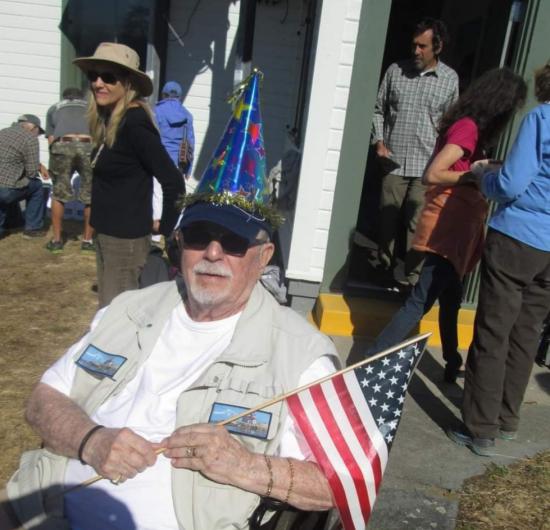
[[199, 237], [106, 77]]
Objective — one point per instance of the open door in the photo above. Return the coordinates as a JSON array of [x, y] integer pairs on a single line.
[[484, 35]]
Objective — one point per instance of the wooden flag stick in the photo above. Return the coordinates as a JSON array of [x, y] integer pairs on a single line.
[[93, 480], [88, 482], [266, 404], [270, 402]]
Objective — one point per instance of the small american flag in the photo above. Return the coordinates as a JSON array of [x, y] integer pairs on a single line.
[[350, 421]]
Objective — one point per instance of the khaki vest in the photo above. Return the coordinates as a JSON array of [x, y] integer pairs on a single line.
[[269, 350]]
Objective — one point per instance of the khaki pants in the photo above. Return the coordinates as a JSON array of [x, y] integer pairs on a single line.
[[400, 194], [119, 264]]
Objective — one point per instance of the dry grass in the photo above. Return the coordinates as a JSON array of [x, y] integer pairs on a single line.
[[47, 302], [516, 497]]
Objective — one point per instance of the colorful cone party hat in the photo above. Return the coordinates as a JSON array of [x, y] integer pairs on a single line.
[[236, 176]]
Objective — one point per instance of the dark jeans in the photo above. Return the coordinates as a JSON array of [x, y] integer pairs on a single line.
[[438, 279], [514, 298], [119, 265], [35, 208]]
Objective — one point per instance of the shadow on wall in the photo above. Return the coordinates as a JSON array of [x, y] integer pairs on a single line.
[[202, 45], [199, 58]]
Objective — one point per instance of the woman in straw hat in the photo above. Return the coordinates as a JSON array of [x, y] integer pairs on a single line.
[[127, 154]]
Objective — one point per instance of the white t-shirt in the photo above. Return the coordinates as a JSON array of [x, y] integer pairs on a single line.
[[147, 406]]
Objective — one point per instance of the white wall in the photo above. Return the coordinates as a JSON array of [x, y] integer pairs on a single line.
[[30, 49], [203, 62], [204, 65], [325, 123]]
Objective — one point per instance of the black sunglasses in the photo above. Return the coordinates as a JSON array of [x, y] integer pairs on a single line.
[[199, 237], [107, 77]]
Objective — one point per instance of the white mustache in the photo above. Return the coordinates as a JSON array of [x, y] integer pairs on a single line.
[[216, 269]]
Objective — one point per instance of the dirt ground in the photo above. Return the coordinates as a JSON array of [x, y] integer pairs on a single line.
[[516, 497], [46, 304]]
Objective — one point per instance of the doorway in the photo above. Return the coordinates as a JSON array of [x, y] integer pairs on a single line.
[[483, 36]]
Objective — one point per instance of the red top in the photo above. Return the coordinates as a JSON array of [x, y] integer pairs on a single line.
[[452, 221]]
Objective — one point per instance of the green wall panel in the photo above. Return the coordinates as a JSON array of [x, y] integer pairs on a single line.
[[349, 183]]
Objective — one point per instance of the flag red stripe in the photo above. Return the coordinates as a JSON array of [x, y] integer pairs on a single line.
[[359, 429], [339, 440], [300, 416]]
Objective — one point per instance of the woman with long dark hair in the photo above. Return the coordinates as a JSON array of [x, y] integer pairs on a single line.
[[514, 292], [127, 154], [451, 226]]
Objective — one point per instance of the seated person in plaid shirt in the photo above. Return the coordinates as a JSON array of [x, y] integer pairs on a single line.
[[19, 169], [412, 97]]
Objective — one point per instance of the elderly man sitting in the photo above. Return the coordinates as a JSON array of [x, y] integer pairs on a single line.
[[158, 369]]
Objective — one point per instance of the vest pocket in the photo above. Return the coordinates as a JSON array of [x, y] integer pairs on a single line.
[[255, 430], [237, 394]]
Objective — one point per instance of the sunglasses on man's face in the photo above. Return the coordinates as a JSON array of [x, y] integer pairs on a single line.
[[199, 237], [109, 78]]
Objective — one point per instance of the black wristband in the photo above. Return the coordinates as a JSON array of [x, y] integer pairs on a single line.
[[84, 441]]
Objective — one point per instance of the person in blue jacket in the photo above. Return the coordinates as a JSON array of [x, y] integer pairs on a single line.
[[514, 294], [175, 123]]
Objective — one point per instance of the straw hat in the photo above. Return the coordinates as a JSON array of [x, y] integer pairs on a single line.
[[123, 56]]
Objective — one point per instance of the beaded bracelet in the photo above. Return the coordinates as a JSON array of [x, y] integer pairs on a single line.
[[270, 470], [84, 441], [291, 480]]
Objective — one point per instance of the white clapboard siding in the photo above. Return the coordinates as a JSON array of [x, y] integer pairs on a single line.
[[202, 58], [333, 61], [30, 50], [204, 65]]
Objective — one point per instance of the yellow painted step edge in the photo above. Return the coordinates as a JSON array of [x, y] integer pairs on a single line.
[[336, 314]]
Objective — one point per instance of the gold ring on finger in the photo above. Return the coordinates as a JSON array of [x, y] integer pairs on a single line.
[[190, 452]]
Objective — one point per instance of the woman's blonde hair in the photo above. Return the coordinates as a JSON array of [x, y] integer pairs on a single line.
[[104, 125]]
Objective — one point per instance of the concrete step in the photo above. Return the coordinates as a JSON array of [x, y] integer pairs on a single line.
[[336, 314]]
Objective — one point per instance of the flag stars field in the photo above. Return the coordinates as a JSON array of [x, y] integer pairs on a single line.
[[350, 421]]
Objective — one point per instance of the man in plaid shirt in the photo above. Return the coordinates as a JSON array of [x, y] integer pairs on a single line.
[[19, 168], [413, 96]]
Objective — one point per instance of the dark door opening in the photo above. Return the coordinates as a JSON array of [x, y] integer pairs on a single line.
[[483, 35]]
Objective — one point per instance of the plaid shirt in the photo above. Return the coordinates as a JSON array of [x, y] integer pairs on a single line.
[[19, 156], [408, 109]]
